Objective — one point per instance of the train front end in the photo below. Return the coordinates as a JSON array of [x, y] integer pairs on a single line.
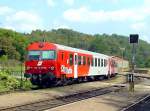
[[40, 65]]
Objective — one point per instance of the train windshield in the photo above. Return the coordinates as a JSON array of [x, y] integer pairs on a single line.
[[41, 55]]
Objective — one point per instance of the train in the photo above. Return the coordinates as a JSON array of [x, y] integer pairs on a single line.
[[49, 63]]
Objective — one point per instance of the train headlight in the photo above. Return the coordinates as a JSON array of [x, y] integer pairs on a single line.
[[52, 68], [28, 67], [43, 67]]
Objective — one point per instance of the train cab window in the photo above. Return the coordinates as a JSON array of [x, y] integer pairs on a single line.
[[71, 59], [88, 61], [48, 55], [95, 62], [42, 55], [99, 62], [102, 63], [84, 60], [79, 60]]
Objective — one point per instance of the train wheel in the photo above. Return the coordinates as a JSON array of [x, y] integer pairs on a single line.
[[101, 78], [85, 79], [70, 81], [80, 80]]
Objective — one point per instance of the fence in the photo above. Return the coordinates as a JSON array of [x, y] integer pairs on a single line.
[[15, 68]]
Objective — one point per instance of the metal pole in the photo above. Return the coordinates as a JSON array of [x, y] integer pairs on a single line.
[[133, 40], [133, 69], [133, 58]]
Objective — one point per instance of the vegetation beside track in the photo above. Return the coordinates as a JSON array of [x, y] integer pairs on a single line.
[[10, 83]]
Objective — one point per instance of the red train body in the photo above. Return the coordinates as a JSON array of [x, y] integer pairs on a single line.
[[49, 62]]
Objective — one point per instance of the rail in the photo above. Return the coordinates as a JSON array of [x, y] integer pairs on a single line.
[[52, 103]]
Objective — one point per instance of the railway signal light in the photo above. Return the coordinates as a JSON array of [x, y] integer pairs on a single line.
[[133, 39]]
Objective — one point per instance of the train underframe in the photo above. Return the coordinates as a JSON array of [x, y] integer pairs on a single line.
[[50, 79]]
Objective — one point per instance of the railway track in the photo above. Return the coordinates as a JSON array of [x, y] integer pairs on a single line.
[[142, 104], [52, 103]]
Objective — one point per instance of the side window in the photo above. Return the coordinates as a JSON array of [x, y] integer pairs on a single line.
[[88, 60], [99, 63], [75, 59], [95, 62], [79, 60], [105, 63], [102, 63], [71, 59], [92, 60], [84, 60]]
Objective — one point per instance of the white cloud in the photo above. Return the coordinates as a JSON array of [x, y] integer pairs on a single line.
[[146, 2], [23, 21], [83, 14], [5, 10], [21, 27], [139, 26], [51, 3], [69, 2], [24, 16]]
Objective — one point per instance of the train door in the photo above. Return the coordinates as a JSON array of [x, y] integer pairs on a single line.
[[110, 67], [75, 65]]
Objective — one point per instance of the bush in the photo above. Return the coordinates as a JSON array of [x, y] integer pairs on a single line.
[[8, 82], [26, 85]]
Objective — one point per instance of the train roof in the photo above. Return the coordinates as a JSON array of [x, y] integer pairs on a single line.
[[49, 45], [79, 50]]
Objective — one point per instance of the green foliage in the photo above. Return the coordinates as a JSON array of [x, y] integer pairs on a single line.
[[4, 58], [147, 63], [26, 85], [8, 82], [13, 44]]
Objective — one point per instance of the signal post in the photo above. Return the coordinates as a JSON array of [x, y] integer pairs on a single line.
[[133, 40]]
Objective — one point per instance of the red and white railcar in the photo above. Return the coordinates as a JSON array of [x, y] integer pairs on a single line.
[[47, 62]]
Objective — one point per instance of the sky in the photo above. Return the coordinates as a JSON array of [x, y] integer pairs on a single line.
[[123, 17]]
